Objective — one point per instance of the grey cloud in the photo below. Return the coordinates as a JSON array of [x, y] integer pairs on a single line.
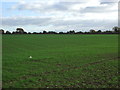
[[56, 23], [65, 6], [108, 3], [37, 6], [116, 1], [93, 10], [85, 23], [100, 9], [60, 25], [64, 22], [60, 7], [24, 21]]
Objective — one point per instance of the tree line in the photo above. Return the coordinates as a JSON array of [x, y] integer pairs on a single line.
[[115, 30]]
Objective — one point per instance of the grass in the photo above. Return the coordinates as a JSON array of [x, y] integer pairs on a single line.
[[64, 61], [0, 61]]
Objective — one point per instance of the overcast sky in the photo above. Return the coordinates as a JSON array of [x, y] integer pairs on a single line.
[[59, 15]]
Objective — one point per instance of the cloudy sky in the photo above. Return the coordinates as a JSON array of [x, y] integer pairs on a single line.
[[59, 15]]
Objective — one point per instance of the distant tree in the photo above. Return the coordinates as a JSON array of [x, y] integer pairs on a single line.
[[35, 33], [71, 32], [86, 32], [25, 33], [52, 32], [13, 32], [80, 32], [1, 31], [99, 31], [8, 32], [92, 31], [116, 29], [40, 33], [108, 32], [20, 31], [29, 33], [61, 32], [44, 32]]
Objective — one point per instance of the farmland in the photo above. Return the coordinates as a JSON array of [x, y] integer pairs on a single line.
[[60, 61]]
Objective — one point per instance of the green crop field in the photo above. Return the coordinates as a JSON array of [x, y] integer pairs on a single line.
[[60, 61]]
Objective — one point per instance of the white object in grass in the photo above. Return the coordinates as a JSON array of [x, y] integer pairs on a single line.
[[30, 57]]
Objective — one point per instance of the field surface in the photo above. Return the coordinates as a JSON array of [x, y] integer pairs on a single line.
[[64, 61]]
